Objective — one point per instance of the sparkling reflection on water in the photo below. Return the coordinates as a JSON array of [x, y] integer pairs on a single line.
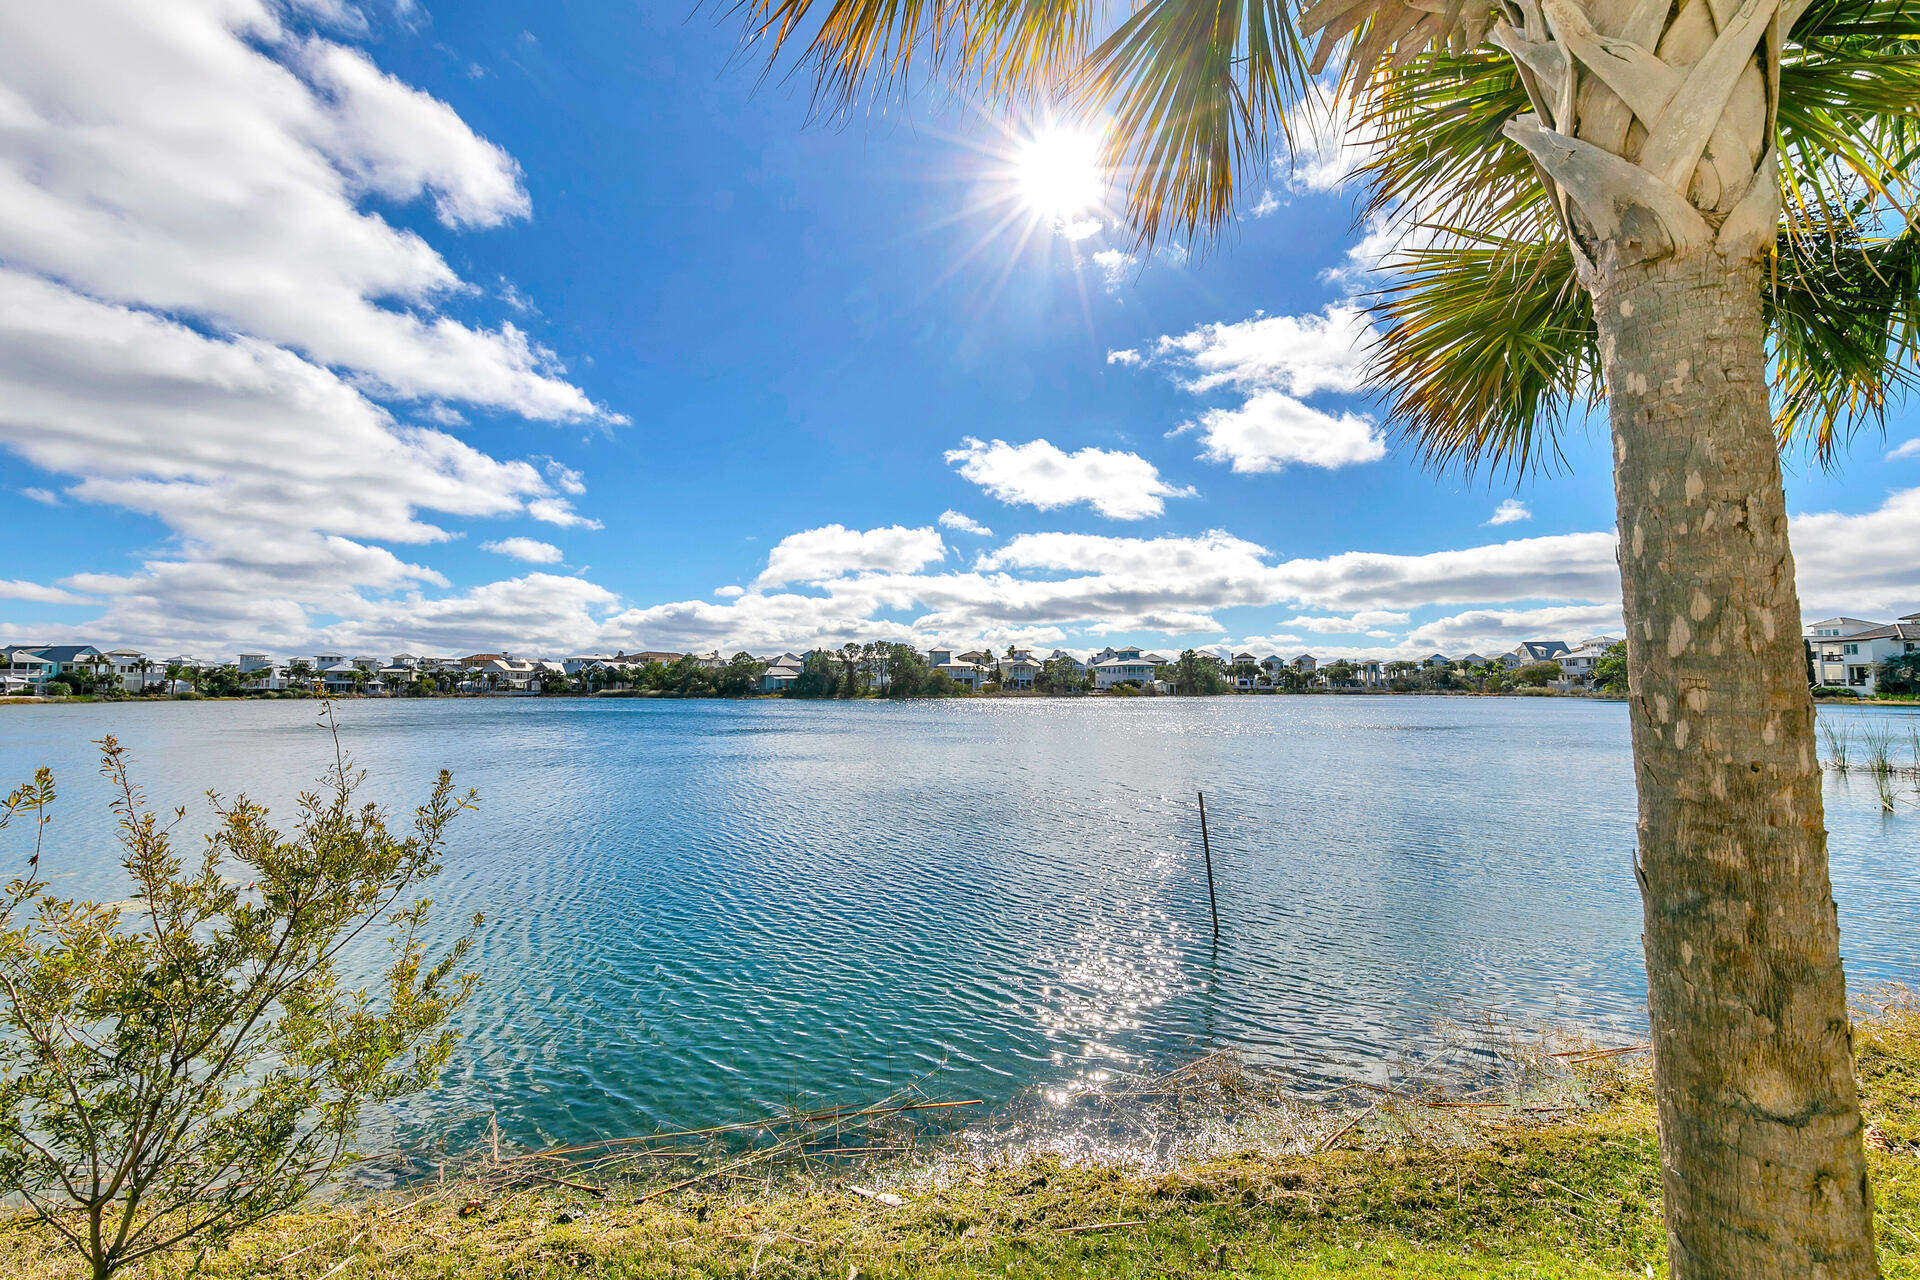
[[698, 910]]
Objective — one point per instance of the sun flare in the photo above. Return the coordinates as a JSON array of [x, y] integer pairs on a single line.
[[1056, 173]]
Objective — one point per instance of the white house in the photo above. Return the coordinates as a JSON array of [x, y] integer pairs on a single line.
[[1852, 658], [969, 674], [1019, 671], [1118, 670], [1578, 663]]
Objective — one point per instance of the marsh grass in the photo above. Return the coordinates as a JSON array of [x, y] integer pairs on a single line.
[[1420, 1189], [1837, 741]]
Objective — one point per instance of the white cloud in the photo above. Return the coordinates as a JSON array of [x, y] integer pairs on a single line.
[[45, 497], [1272, 430], [531, 550], [1865, 565], [1365, 621], [1127, 356], [1297, 354], [398, 142], [835, 550], [560, 512], [37, 593], [173, 157], [1120, 486], [1269, 203], [1911, 449], [1494, 631], [960, 523], [1330, 143], [1115, 266], [730, 592], [198, 318], [1510, 511]]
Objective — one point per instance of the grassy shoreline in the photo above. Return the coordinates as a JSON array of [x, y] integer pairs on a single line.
[[1569, 1197]]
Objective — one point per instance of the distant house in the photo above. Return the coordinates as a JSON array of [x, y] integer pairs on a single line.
[[660, 656], [134, 670], [960, 671], [1119, 670], [1305, 663], [780, 674], [1079, 667], [1528, 652], [1475, 660], [1577, 664], [1435, 661], [1834, 628], [1019, 671], [1853, 659], [26, 667]]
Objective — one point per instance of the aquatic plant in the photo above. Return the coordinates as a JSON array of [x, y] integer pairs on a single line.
[[1836, 739], [1877, 737]]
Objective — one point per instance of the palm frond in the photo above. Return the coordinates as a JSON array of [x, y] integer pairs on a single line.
[[1485, 347], [1845, 321], [1194, 87], [1432, 128], [1849, 117], [857, 49]]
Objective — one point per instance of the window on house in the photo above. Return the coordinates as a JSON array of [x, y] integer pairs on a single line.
[[1850, 649]]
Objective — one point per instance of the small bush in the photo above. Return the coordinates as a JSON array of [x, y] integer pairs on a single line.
[[56, 689]]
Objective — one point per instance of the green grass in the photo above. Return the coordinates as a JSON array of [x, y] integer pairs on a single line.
[[1577, 1197]]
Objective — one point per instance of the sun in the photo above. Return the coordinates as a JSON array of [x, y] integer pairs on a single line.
[[1057, 176]]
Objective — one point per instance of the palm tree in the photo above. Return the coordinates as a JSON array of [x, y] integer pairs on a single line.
[[1652, 201]]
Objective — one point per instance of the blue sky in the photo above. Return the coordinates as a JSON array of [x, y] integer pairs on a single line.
[[479, 325]]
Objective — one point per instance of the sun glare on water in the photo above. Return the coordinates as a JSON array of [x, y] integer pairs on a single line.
[[1057, 177]]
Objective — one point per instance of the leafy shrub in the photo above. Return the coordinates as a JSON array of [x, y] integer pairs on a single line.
[[56, 689], [188, 1062]]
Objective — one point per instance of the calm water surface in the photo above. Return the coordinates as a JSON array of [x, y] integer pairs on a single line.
[[696, 910]]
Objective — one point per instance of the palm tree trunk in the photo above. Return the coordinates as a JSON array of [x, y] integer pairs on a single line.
[[1760, 1130]]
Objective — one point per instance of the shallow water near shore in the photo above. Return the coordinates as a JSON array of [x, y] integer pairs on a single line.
[[698, 911]]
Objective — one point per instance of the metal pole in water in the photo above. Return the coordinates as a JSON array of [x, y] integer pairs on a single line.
[[1207, 849]]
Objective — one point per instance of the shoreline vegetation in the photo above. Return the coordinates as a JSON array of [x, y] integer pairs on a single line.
[[1550, 1170], [898, 672]]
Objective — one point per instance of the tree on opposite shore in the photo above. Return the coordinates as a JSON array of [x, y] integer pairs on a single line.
[[1679, 205]]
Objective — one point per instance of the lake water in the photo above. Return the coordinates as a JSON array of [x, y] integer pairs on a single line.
[[699, 910]]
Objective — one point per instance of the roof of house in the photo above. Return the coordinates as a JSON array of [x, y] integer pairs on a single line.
[[1541, 650], [68, 652], [1901, 630]]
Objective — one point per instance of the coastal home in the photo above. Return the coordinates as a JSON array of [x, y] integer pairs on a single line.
[[339, 677], [781, 672], [1853, 660], [1475, 660], [960, 671], [1245, 680], [1119, 670], [939, 657], [25, 664], [660, 656], [1306, 664], [69, 658], [1834, 628], [1436, 661], [1577, 664], [1019, 671], [1079, 667], [133, 669], [1528, 652]]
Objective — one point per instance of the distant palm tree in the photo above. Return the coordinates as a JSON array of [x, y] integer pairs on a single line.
[[1652, 200]]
